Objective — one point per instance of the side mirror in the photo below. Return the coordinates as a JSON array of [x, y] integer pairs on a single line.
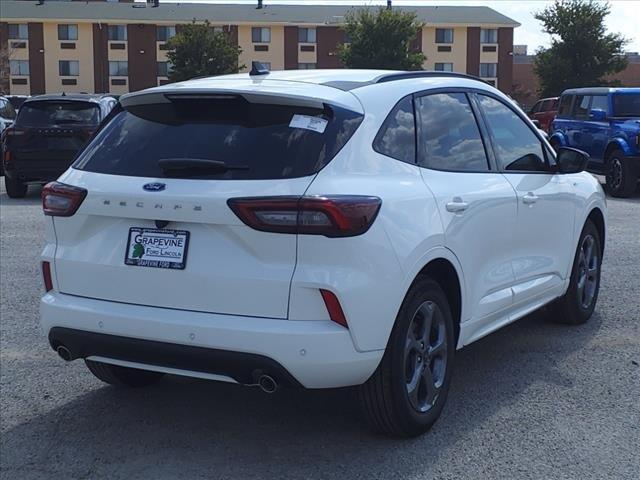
[[597, 115], [571, 160]]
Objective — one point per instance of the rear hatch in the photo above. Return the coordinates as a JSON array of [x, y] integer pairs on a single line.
[[52, 130], [155, 228]]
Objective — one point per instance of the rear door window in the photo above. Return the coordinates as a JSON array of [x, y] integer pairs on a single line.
[[448, 134], [600, 102], [397, 136], [53, 113], [247, 140]]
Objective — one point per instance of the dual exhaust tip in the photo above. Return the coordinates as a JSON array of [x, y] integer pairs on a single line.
[[266, 382]]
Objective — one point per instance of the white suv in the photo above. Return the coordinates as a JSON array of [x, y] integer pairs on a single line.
[[317, 229]]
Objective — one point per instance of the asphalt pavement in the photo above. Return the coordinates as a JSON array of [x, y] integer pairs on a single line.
[[534, 400]]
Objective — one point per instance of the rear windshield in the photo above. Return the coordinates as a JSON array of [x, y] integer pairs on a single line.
[[50, 113], [248, 140], [626, 105]]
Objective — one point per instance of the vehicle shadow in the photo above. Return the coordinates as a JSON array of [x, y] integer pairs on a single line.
[[186, 428], [32, 197]]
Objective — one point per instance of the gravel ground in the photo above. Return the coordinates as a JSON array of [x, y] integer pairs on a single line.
[[534, 400]]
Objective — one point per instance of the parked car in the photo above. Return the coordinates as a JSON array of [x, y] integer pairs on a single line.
[[7, 116], [325, 229], [17, 100], [544, 111], [605, 123], [46, 136]]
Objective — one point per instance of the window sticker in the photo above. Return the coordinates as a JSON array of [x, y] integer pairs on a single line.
[[314, 124]]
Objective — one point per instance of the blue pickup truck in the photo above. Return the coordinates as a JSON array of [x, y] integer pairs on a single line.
[[605, 123]]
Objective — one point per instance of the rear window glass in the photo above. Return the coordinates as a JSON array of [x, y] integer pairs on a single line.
[[45, 114], [397, 137], [626, 105], [184, 137]]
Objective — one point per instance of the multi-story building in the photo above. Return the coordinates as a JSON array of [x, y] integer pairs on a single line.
[[120, 46]]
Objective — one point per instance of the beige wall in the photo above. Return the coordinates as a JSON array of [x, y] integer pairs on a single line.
[[275, 55], [307, 57], [457, 55], [83, 53]]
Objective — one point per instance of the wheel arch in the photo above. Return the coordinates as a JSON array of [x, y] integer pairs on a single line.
[[445, 274], [597, 217], [616, 144]]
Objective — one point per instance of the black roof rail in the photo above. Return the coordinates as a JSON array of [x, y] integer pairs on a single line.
[[425, 74]]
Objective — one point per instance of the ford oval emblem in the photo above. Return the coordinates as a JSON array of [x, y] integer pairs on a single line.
[[154, 187]]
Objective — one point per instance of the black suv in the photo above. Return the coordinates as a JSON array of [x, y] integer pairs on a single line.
[[46, 136]]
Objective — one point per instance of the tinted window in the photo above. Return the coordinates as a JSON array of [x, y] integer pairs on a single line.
[[396, 138], [581, 106], [42, 114], [515, 144], [255, 140], [565, 105], [448, 135], [626, 104], [536, 107], [599, 102]]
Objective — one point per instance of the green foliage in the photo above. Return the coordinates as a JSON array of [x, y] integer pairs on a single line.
[[197, 50], [381, 39], [582, 53]]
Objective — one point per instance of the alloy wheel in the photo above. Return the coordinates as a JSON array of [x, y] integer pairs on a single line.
[[588, 266], [614, 175], [425, 356]]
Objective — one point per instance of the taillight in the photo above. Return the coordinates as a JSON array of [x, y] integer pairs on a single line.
[[61, 200], [7, 156], [331, 216], [46, 276], [14, 132], [333, 307]]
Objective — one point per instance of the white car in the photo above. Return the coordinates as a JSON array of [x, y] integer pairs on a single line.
[[320, 229]]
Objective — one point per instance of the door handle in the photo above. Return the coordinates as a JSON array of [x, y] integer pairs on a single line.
[[457, 205], [530, 198]]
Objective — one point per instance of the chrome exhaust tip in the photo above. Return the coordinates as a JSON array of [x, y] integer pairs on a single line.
[[64, 353], [267, 384]]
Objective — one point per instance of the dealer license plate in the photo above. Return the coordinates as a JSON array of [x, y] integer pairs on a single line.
[[150, 247]]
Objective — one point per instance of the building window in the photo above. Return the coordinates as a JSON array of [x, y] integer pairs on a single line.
[[69, 68], [118, 32], [118, 68], [489, 70], [67, 32], [306, 35], [306, 66], [444, 67], [444, 35], [260, 34], [164, 68], [19, 67], [18, 31], [165, 32], [489, 35]]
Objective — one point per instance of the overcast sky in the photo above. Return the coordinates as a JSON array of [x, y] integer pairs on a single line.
[[623, 18]]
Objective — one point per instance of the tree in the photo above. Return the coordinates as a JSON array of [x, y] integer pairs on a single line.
[[197, 50], [5, 56], [582, 53], [381, 39]]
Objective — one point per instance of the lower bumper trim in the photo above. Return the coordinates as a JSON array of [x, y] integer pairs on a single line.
[[244, 368]]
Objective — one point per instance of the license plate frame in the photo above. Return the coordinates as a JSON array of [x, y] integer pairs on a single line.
[[158, 256]]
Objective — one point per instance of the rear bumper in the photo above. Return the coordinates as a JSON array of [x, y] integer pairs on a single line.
[[36, 170], [314, 354]]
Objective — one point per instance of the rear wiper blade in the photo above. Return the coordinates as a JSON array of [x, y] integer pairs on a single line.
[[199, 164]]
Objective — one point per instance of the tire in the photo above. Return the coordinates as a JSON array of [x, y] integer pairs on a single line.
[[387, 405], [122, 376], [577, 305], [15, 188], [621, 179]]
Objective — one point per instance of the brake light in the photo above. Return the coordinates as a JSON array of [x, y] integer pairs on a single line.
[[331, 216], [14, 132], [333, 307], [46, 276], [61, 200], [7, 156]]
